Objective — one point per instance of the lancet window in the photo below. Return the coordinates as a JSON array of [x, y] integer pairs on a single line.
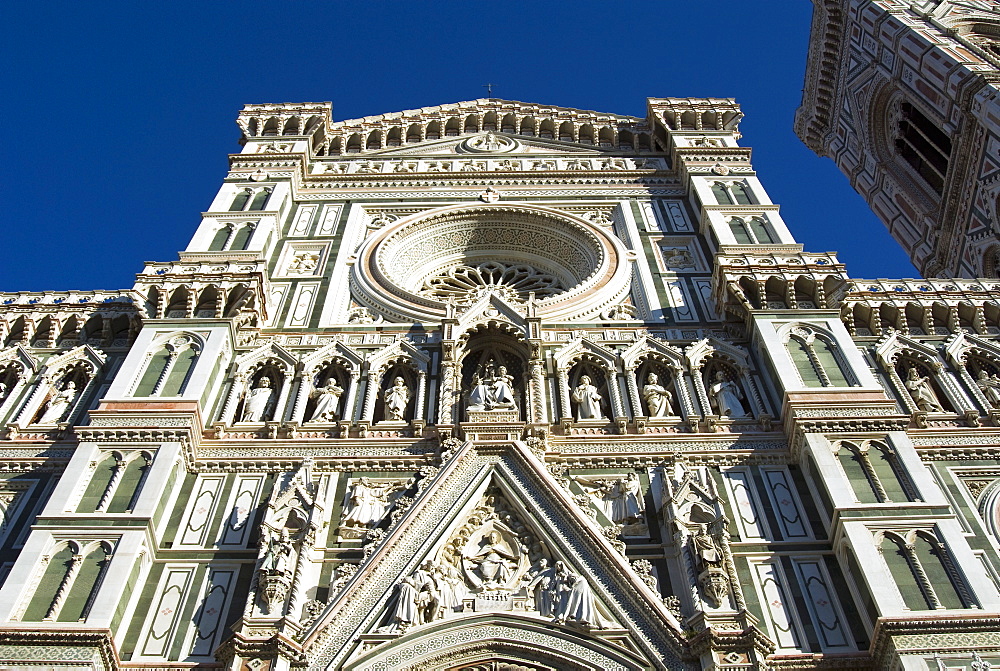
[[818, 360], [234, 237], [924, 570], [751, 231], [70, 579], [924, 146], [732, 193], [250, 199], [116, 483], [874, 472], [168, 369]]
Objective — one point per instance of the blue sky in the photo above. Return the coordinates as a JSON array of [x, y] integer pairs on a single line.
[[120, 115]]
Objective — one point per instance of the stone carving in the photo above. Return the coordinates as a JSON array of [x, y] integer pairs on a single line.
[[657, 397], [368, 504], [675, 257], [259, 402], [59, 403], [488, 142], [587, 400], [541, 585], [360, 315], [288, 530], [620, 499], [614, 164], [493, 563], [619, 312], [492, 389], [990, 386], [304, 263], [327, 402], [396, 399], [709, 560], [573, 601], [599, 218], [725, 396], [463, 281], [921, 391]]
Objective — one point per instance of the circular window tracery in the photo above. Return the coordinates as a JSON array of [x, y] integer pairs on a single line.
[[413, 268], [465, 283]]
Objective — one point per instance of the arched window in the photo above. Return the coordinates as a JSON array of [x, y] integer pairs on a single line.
[[260, 200], [924, 571], [116, 483], [222, 236], [817, 359], [740, 231], [761, 231], [69, 583], [241, 200], [722, 195], [741, 193], [924, 146], [169, 368], [874, 471], [241, 239]]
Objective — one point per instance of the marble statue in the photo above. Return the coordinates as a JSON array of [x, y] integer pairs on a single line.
[[259, 403], [990, 386], [407, 612], [368, 503], [575, 603], [59, 404], [396, 398], [494, 563], [327, 402], [492, 389], [657, 397], [541, 586], [626, 504], [479, 395], [706, 548], [588, 401], [921, 392], [725, 396], [276, 558]]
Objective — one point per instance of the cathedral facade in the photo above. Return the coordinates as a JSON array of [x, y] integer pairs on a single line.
[[498, 385], [904, 96]]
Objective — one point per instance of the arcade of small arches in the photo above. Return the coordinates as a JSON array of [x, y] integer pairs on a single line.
[[211, 301], [608, 133], [61, 331], [877, 318]]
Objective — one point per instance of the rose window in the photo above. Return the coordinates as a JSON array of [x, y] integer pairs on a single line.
[[411, 269], [516, 280]]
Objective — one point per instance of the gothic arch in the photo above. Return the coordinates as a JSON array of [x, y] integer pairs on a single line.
[[817, 356], [485, 638]]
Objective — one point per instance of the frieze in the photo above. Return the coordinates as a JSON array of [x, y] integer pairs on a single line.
[[710, 443]]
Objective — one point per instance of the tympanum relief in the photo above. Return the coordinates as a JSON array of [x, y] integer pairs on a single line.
[[491, 563]]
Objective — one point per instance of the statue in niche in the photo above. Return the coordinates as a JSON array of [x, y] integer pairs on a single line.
[[706, 549], [574, 601], [921, 391], [542, 586], [396, 398], [587, 399], [327, 402], [59, 403], [492, 389], [259, 402], [494, 563], [276, 558], [657, 397], [989, 385], [369, 502], [725, 396]]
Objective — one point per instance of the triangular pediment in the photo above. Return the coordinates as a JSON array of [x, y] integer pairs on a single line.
[[490, 524]]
